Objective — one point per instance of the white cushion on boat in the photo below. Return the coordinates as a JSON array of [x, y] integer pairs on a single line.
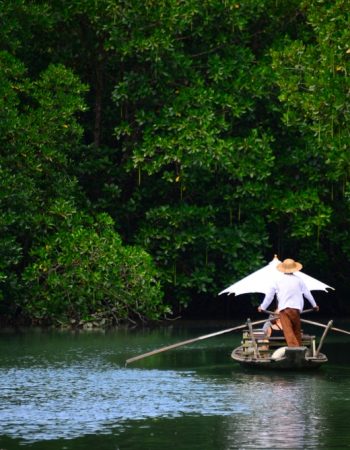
[[279, 353]]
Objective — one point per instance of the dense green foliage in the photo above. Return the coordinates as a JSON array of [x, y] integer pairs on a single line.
[[83, 272], [168, 146]]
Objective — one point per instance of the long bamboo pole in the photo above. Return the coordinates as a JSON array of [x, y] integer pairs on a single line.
[[325, 326], [190, 341]]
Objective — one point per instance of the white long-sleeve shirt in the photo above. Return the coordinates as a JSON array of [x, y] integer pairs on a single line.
[[290, 290]]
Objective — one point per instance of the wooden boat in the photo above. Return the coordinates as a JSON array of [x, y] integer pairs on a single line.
[[258, 351]]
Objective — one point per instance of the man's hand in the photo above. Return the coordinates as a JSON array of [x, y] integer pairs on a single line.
[[316, 308], [259, 309]]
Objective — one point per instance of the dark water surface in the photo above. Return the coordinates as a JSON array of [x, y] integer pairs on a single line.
[[65, 390]]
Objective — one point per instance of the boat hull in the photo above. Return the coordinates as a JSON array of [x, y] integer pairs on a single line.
[[294, 358]]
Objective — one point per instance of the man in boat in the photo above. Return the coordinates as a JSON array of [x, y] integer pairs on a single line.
[[290, 291]]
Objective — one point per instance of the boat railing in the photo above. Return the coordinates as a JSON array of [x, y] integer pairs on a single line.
[[256, 344]]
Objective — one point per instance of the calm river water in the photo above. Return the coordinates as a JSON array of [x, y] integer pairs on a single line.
[[66, 390]]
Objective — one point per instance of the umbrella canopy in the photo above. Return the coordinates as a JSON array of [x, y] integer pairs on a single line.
[[261, 280]]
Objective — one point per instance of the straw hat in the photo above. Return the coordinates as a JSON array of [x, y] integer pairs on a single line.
[[289, 266]]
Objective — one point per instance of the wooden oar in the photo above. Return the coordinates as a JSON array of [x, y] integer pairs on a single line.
[[325, 326], [267, 311], [190, 341], [307, 311]]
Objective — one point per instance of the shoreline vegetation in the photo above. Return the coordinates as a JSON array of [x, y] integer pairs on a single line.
[[149, 158]]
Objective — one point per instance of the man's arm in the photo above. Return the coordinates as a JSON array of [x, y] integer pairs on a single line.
[[307, 294], [267, 300]]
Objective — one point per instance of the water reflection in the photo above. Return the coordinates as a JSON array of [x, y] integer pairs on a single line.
[[285, 411], [75, 388]]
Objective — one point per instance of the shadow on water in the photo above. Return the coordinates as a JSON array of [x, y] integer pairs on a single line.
[[61, 390]]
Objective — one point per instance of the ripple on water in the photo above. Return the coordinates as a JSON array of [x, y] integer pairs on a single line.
[[51, 403]]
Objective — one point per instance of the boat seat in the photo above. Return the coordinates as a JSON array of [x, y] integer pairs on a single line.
[[267, 345]]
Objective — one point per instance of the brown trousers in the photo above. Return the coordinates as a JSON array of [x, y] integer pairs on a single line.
[[290, 320]]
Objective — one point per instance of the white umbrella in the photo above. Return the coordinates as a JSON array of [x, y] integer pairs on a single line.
[[261, 280]]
